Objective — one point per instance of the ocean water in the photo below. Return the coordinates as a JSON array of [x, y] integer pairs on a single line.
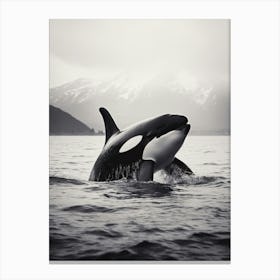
[[185, 218]]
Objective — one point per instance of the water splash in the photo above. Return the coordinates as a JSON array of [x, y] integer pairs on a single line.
[[164, 178]]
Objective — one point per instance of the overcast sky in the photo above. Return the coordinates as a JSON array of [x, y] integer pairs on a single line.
[[143, 48]]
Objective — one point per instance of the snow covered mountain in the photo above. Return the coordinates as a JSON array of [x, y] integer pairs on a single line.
[[206, 106]]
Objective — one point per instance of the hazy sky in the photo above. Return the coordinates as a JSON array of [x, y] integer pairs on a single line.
[[143, 48]]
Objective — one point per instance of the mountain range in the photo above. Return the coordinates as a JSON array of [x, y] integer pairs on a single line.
[[206, 106]]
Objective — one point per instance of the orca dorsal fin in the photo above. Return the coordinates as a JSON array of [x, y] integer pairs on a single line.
[[110, 125]]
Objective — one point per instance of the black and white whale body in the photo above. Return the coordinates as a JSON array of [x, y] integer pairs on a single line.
[[141, 149]]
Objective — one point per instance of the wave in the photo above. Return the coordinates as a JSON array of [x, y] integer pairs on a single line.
[[62, 241], [214, 245], [53, 180], [123, 255], [191, 248], [134, 189], [214, 238], [143, 250], [147, 245], [92, 209], [200, 245], [86, 209], [103, 233], [187, 179], [148, 230]]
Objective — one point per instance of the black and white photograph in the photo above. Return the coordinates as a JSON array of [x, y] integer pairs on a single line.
[[139, 140], [139, 148]]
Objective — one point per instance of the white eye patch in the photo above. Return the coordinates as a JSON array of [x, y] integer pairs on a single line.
[[131, 143]]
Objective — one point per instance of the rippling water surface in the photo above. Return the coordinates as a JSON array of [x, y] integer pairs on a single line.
[[185, 218]]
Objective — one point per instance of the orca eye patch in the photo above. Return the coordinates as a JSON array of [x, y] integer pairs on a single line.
[[131, 143]]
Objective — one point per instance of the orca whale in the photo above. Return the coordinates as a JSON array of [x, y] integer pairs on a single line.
[[142, 149]]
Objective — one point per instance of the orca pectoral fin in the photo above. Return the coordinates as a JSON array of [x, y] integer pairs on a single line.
[[177, 167], [146, 171]]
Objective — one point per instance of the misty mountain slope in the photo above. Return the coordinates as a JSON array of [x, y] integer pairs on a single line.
[[206, 107], [62, 123]]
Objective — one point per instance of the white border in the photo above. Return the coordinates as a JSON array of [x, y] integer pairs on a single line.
[[255, 138]]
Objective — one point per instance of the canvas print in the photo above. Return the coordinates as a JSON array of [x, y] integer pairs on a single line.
[[139, 124]]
